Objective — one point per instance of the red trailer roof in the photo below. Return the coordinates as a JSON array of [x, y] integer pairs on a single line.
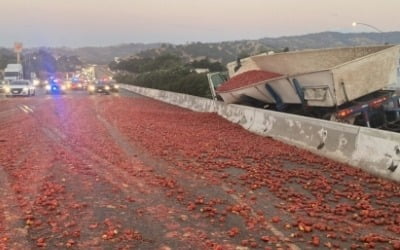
[[247, 78]]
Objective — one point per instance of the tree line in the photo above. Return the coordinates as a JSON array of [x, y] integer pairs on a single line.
[[167, 72]]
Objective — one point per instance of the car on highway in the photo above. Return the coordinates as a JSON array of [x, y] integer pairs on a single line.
[[55, 87], [114, 86], [36, 82], [43, 83], [19, 88], [75, 85], [3, 84], [99, 87], [67, 84]]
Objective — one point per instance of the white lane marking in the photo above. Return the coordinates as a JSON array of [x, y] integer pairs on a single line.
[[23, 109], [26, 109]]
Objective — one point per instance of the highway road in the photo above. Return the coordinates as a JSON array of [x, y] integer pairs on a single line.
[[122, 171]]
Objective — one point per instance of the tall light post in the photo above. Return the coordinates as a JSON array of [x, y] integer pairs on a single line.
[[370, 26]]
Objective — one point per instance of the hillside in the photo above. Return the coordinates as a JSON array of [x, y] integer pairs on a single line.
[[225, 51], [104, 55], [331, 39], [229, 51]]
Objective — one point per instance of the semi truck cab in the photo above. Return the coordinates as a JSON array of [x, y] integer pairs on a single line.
[[13, 72]]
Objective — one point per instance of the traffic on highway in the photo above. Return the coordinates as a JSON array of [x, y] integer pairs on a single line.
[[14, 85], [121, 171]]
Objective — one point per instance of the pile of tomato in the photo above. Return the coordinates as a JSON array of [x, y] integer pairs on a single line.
[[247, 78]]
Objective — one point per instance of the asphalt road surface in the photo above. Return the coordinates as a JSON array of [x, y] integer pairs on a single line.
[[122, 171]]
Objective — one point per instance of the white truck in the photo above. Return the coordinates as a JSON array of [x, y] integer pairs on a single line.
[[357, 85], [13, 72]]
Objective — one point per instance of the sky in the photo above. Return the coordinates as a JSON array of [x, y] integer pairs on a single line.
[[77, 23]]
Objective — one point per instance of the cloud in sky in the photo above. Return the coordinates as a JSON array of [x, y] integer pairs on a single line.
[[105, 22]]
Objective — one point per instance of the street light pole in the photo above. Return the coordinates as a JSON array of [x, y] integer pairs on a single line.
[[370, 26]]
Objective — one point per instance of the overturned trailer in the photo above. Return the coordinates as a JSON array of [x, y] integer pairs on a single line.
[[344, 84]]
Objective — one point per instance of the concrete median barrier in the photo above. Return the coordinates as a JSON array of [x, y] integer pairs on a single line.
[[372, 150], [334, 140], [378, 152], [186, 101]]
